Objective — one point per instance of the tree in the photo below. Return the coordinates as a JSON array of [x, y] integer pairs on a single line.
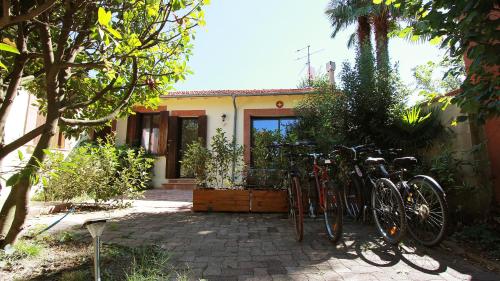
[[429, 85], [343, 13], [467, 29], [90, 62]]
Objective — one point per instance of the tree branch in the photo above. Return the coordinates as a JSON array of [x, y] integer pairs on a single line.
[[96, 97], [21, 141], [115, 112], [7, 20]]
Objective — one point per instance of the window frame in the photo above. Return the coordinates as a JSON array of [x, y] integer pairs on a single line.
[[277, 118]]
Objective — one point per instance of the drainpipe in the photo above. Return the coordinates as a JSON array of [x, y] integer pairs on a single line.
[[235, 120]]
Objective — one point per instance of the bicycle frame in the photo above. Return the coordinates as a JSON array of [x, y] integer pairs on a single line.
[[320, 178]]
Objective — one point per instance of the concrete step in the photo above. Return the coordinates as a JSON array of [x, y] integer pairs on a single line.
[[179, 185], [181, 180]]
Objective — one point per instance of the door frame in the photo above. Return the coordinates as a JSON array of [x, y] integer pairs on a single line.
[[172, 152]]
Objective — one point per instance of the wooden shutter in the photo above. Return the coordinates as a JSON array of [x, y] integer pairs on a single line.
[[172, 139], [132, 130], [162, 140], [202, 128]]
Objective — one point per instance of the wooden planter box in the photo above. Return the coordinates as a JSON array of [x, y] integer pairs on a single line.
[[269, 201], [228, 200], [221, 200]]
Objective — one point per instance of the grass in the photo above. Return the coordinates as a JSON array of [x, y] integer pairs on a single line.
[[69, 259], [25, 248]]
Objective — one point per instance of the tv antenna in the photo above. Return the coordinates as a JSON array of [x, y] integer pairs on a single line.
[[308, 63]]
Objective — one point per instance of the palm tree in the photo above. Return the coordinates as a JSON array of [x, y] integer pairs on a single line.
[[343, 13]]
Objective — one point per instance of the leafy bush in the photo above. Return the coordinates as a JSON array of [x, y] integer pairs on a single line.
[[213, 167], [196, 160], [467, 201], [99, 170], [416, 128]]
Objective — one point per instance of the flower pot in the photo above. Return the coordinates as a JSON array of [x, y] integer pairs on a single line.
[[221, 200], [269, 201]]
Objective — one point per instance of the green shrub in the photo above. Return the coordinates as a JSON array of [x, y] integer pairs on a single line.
[[213, 167], [99, 170]]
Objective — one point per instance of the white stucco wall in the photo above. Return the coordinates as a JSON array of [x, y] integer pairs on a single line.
[[22, 118], [214, 107]]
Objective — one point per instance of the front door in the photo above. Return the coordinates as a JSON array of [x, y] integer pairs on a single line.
[[181, 132]]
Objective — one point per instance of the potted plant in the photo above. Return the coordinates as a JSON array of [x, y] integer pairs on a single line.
[[217, 188]]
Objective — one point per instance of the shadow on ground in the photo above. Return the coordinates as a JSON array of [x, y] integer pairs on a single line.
[[225, 246]]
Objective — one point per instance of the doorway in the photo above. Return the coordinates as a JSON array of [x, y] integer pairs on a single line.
[[188, 133]]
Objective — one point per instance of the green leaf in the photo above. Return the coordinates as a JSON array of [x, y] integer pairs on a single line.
[[113, 32], [3, 65], [20, 155], [8, 48], [13, 180], [103, 17], [436, 40]]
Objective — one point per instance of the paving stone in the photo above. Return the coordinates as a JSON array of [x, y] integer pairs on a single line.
[[231, 246]]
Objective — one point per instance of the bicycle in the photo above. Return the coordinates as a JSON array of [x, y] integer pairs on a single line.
[[327, 196], [425, 202], [369, 188], [292, 182]]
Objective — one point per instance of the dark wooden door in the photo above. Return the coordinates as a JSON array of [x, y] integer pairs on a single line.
[[172, 144]]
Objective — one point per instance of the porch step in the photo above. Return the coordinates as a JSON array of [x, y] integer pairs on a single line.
[[182, 184]]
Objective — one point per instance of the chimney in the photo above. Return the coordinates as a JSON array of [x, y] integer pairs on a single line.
[[330, 69]]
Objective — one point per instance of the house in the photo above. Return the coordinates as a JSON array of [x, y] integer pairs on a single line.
[[23, 117], [184, 116]]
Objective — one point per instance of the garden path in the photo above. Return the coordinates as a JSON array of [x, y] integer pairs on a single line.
[[226, 246]]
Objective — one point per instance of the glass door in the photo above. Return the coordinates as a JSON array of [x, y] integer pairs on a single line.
[[188, 133]]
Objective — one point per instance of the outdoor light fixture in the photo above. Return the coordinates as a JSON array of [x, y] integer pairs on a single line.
[[96, 227], [223, 117]]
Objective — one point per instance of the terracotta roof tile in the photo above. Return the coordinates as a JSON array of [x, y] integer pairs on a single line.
[[255, 92]]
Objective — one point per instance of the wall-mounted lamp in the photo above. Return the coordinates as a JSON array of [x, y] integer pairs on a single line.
[[223, 116]]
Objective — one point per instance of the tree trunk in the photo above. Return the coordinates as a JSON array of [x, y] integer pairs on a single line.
[[364, 30], [17, 200], [381, 24]]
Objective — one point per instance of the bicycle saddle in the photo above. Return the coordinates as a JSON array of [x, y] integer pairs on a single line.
[[374, 161], [405, 162]]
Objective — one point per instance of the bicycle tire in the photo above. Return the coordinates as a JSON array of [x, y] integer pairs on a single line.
[[333, 212], [419, 216], [353, 198], [390, 217], [312, 198], [296, 208]]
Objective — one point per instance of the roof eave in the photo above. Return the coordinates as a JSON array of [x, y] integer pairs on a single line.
[[240, 95]]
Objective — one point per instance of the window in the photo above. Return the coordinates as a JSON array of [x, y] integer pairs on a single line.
[[149, 132], [270, 129]]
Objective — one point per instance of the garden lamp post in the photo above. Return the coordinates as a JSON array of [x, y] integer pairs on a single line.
[[96, 227]]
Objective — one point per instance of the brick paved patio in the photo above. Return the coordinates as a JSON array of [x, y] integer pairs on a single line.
[[222, 246], [225, 246]]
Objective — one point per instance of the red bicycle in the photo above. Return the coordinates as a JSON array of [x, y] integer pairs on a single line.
[[323, 192]]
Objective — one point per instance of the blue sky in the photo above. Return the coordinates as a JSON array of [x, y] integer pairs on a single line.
[[252, 45]]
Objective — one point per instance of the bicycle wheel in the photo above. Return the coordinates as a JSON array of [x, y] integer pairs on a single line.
[[296, 209], [426, 210], [312, 197], [333, 212], [388, 211], [353, 199]]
